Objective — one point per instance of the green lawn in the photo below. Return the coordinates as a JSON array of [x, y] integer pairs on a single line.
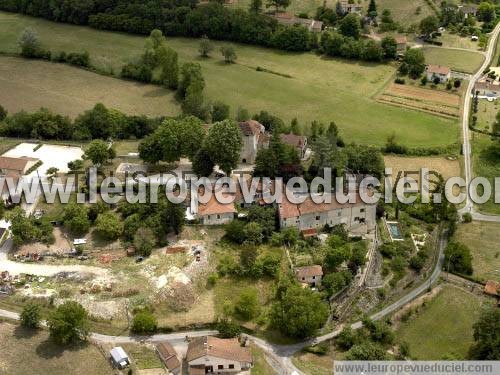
[[482, 238], [462, 61], [320, 89], [405, 11], [443, 326], [31, 84], [485, 164], [26, 352], [456, 41], [486, 114]]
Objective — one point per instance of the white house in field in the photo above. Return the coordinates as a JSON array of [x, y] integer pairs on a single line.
[[439, 71], [210, 354]]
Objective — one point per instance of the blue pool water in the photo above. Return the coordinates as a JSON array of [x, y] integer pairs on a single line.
[[395, 231]]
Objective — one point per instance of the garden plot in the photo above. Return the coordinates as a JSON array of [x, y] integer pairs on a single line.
[[439, 103], [52, 156]]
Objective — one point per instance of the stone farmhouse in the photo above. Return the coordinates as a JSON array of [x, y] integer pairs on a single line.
[[309, 275], [254, 138], [215, 213], [209, 354], [299, 142], [442, 72], [350, 6], [358, 216], [289, 19]]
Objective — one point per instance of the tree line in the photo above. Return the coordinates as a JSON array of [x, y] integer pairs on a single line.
[[186, 18]]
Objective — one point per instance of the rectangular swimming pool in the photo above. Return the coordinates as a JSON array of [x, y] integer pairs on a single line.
[[395, 231]]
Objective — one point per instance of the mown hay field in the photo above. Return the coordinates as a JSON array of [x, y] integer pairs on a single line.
[[319, 88], [427, 100], [31, 84]]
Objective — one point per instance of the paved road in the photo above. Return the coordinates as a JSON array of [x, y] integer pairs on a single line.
[[467, 150], [15, 268]]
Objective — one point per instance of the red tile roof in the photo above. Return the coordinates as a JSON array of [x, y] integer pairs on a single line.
[[492, 288], [251, 127], [438, 69], [15, 164], [308, 271], [168, 355], [293, 140], [213, 207], [229, 349], [288, 209]]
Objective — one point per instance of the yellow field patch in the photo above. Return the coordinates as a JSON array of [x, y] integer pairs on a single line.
[[432, 101], [444, 166]]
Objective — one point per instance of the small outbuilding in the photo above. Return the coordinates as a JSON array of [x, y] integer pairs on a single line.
[[168, 355], [310, 275], [119, 358]]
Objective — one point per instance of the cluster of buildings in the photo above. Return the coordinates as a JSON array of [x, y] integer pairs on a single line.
[[315, 26], [488, 86], [306, 216], [206, 354]]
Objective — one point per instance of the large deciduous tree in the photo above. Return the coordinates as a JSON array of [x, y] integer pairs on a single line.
[[223, 143], [68, 323], [298, 312], [350, 26], [486, 336]]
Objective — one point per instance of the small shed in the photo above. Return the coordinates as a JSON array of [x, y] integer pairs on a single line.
[[119, 358], [169, 357]]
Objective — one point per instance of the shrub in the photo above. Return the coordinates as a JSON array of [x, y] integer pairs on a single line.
[[30, 316], [3, 113], [400, 81], [467, 217], [247, 305], [144, 322], [227, 328], [229, 54]]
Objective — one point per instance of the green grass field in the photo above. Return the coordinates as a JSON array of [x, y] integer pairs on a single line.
[[321, 89], [462, 61], [27, 352], [482, 238], [31, 84], [486, 114], [443, 326], [485, 164], [405, 11]]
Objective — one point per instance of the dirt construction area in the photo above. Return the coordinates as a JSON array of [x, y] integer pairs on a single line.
[[433, 101]]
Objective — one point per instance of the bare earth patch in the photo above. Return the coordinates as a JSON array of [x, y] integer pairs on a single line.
[[433, 101], [444, 166]]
